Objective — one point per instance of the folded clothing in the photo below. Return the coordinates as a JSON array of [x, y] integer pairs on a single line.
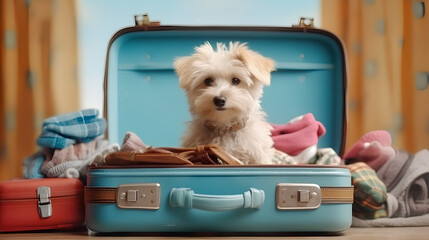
[[370, 193], [77, 167], [407, 179], [32, 164], [393, 171], [78, 151], [64, 130], [297, 135]]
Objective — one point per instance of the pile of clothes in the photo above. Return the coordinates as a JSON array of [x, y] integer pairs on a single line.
[[296, 142], [391, 187], [69, 143]]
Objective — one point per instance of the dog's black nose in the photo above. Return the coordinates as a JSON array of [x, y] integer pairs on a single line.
[[219, 101]]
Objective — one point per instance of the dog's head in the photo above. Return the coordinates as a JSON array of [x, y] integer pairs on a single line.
[[223, 85]]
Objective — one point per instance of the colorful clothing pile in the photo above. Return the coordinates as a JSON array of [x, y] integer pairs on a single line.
[[296, 142], [405, 179], [69, 143]]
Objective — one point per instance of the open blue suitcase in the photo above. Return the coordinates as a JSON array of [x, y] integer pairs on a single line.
[[142, 95]]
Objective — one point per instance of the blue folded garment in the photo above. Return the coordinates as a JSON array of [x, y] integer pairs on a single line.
[[64, 130], [32, 164]]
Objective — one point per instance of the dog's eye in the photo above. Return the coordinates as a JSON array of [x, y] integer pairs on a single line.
[[235, 81], [208, 82]]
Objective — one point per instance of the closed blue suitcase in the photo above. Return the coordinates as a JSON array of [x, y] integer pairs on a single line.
[[142, 95]]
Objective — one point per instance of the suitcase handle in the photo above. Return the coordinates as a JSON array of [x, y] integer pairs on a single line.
[[186, 198]]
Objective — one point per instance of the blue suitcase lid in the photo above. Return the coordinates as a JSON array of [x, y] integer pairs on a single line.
[[142, 93]]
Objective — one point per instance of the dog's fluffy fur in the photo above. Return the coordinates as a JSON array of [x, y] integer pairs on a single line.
[[224, 88]]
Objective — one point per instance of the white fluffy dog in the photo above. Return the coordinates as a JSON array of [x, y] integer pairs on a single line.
[[223, 89]]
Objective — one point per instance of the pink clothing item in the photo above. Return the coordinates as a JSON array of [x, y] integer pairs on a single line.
[[73, 152], [132, 142], [374, 148], [292, 138], [381, 136], [375, 155]]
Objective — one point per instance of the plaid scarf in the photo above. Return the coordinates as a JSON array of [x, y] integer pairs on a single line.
[[370, 193], [61, 131]]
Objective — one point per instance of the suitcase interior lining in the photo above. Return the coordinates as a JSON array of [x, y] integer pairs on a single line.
[[144, 94]]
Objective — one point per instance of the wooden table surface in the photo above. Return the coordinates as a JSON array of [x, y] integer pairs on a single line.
[[413, 233]]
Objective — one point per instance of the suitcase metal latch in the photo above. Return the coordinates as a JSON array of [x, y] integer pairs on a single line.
[[290, 196], [44, 202], [139, 195]]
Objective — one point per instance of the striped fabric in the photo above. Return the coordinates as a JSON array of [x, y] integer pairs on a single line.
[[64, 130]]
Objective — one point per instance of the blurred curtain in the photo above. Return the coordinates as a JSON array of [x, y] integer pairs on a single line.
[[38, 73], [387, 43]]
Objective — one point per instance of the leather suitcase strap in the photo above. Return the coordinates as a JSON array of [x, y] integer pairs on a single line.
[[100, 195], [337, 194], [329, 195]]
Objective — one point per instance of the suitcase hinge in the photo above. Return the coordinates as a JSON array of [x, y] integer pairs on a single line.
[[305, 23], [139, 195], [44, 202], [143, 20]]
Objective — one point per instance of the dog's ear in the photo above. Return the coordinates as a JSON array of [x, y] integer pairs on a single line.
[[183, 66], [260, 67]]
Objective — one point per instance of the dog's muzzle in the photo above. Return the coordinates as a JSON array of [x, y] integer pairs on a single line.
[[219, 101]]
